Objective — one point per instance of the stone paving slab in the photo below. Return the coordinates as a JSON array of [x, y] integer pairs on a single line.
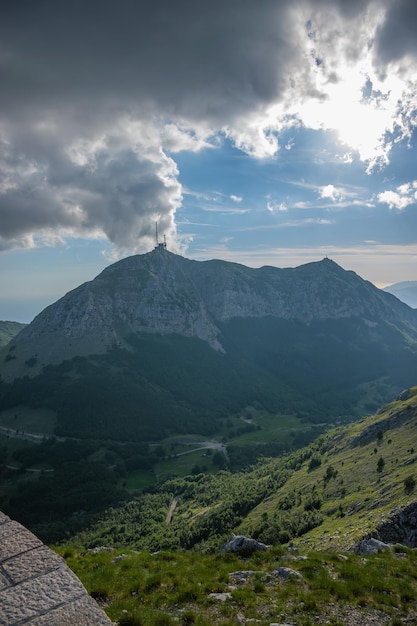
[[33, 563], [10, 528], [69, 615], [37, 587], [4, 581], [18, 543]]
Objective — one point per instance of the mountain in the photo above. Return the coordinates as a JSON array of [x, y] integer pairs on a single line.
[[159, 345], [405, 291], [8, 330], [163, 293]]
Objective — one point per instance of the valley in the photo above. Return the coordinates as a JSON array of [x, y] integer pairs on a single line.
[[312, 507]]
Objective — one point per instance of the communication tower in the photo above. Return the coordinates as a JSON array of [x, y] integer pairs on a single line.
[[159, 245]]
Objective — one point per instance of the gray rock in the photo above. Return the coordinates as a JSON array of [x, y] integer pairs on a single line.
[[370, 433], [404, 395], [292, 557], [243, 576], [400, 527], [221, 597], [121, 557], [285, 573], [243, 545], [370, 546], [99, 549]]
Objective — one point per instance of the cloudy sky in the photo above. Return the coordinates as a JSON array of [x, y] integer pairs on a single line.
[[264, 132]]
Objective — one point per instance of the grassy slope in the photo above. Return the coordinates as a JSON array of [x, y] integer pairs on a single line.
[[358, 496], [329, 506], [8, 330], [167, 589], [171, 385]]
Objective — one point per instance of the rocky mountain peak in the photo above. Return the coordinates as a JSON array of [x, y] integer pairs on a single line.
[[161, 292]]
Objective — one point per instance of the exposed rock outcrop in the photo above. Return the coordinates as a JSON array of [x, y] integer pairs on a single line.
[[243, 545], [371, 432], [365, 547], [404, 395], [400, 527]]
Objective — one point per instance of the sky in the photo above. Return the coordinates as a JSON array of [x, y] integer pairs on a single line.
[[267, 132]]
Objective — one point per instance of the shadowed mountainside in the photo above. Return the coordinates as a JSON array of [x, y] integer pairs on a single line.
[[8, 330], [159, 345]]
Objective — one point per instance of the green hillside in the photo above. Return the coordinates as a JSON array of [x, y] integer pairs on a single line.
[[158, 386], [327, 495], [8, 330]]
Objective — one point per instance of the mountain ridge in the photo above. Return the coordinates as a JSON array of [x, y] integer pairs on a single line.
[[160, 292], [406, 291], [159, 345]]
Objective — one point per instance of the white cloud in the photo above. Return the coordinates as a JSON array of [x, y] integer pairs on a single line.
[[237, 199], [331, 192], [400, 199], [273, 207], [174, 138]]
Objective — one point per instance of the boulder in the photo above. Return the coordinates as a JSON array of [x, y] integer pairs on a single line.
[[365, 547], [243, 545], [285, 573], [220, 597], [242, 577]]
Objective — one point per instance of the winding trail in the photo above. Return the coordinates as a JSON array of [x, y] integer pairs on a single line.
[[204, 445], [171, 510]]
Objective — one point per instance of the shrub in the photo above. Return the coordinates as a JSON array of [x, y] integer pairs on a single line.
[[380, 464], [409, 483], [331, 472], [315, 462], [313, 502]]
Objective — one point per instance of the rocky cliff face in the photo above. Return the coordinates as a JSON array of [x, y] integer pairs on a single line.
[[161, 292], [400, 527]]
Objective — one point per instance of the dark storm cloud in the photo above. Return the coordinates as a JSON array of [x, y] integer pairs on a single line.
[[118, 192], [70, 71], [397, 36], [197, 58]]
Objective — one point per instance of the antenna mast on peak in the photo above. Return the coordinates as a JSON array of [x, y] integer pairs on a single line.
[[159, 245]]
